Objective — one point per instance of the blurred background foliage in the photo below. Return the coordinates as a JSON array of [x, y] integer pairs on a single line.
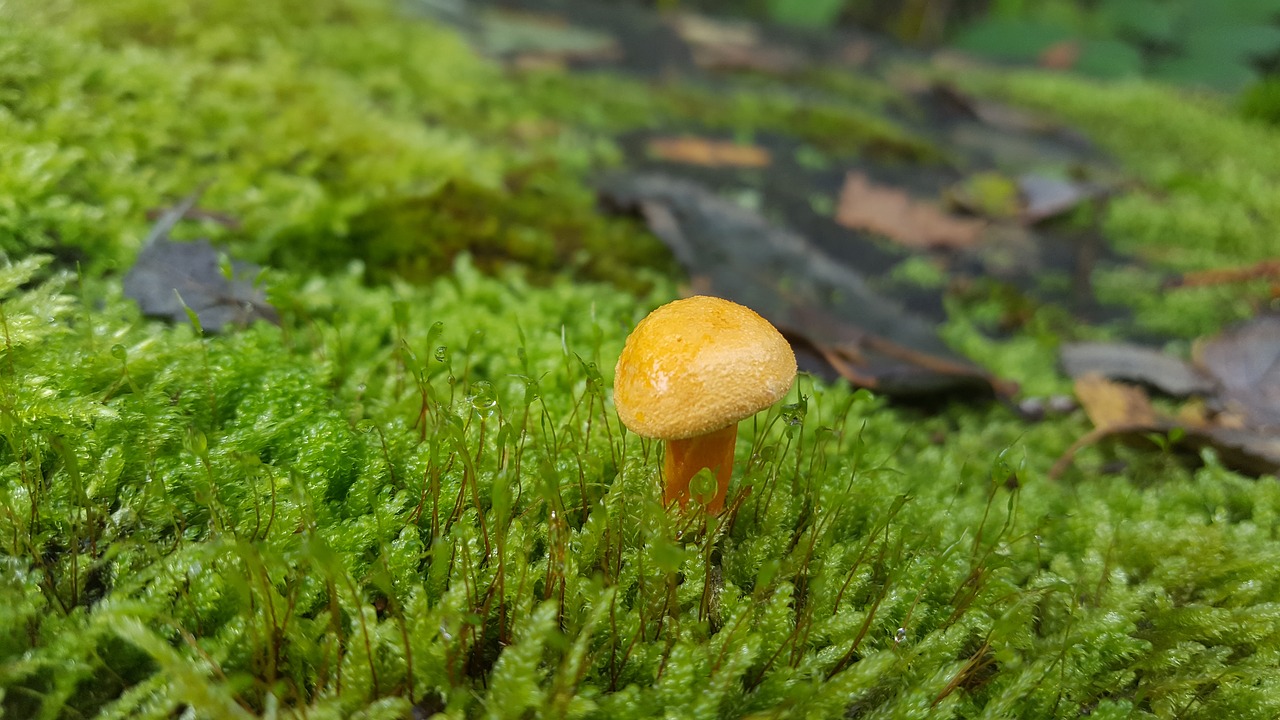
[[1230, 46]]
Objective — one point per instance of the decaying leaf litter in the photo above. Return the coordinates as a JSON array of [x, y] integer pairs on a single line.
[[973, 213], [1233, 383], [181, 281], [804, 237]]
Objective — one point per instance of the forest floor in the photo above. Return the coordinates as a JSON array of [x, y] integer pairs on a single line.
[[310, 313]]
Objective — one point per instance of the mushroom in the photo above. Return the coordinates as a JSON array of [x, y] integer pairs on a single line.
[[688, 373]]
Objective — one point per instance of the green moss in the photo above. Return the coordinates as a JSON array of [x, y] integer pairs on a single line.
[[417, 499], [424, 491], [307, 122], [1260, 102], [837, 125], [919, 271], [333, 131], [1188, 312], [1207, 190]]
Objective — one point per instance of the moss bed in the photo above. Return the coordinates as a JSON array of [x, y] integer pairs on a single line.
[[413, 497]]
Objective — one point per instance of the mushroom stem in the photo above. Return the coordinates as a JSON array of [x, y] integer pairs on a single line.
[[686, 457]]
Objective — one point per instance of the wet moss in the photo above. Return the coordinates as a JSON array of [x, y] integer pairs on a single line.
[[318, 128], [1206, 190], [838, 126], [415, 497], [422, 492]]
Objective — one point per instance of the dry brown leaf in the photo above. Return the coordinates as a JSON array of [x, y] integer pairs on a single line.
[[1115, 406], [699, 30], [856, 53], [1114, 409], [1264, 270], [888, 211], [709, 153], [1238, 415], [733, 45]]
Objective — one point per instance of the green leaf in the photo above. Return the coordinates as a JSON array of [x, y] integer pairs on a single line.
[[16, 274], [1010, 38], [1205, 71], [1261, 101], [1238, 42], [1146, 20], [189, 678], [805, 13], [1109, 59], [1199, 13]]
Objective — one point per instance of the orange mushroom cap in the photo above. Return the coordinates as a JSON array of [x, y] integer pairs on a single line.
[[697, 365]]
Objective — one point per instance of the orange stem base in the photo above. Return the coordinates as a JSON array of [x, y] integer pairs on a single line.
[[686, 457]]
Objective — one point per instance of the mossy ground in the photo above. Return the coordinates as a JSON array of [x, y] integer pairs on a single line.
[[1205, 190], [414, 497]]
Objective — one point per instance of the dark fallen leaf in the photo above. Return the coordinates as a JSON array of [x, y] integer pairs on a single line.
[[915, 223], [708, 152], [196, 213], [839, 326], [168, 274], [989, 134], [1237, 375], [1134, 363], [1037, 408], [1242, 450], [1245, 361], [995, 114], [1044, 197], [873, 361], [1030, 197]]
